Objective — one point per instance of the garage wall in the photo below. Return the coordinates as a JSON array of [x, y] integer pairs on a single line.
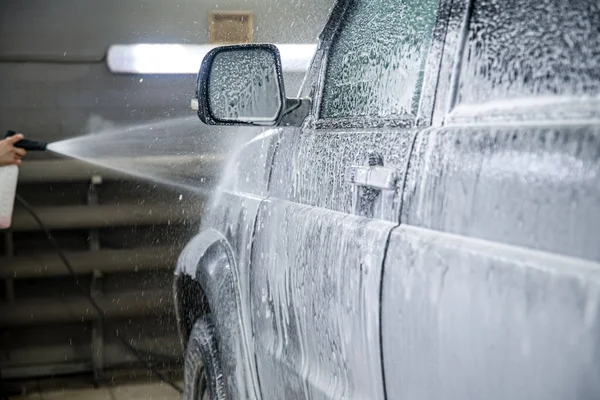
[[85, 28]]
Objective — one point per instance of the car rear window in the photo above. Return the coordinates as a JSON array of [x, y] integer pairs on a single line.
[[522, 48], [376, 62]]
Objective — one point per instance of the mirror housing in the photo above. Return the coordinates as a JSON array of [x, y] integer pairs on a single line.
[[243, 85]]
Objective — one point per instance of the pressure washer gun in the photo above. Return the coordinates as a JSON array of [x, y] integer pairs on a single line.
[[9, 175]]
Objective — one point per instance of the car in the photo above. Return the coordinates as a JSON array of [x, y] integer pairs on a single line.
[[421, 222]]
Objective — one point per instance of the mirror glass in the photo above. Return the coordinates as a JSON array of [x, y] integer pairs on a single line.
[[243, 86]]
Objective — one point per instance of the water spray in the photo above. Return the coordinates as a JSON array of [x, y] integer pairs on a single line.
[[169, 151], [8, 185]]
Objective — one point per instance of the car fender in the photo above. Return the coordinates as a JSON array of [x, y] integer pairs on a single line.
[[204, 278]]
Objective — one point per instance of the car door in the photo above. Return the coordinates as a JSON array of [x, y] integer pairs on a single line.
[[492, 279], [334, 189]]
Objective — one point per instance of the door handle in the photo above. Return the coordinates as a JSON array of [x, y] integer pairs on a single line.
[[375, 177], [374, 190]]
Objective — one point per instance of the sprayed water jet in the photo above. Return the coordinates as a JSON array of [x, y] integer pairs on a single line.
[[176, 151]]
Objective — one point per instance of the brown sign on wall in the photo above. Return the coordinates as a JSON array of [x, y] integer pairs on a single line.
[[230, 27]]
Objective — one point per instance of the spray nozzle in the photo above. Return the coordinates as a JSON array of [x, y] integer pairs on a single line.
[[29, 145]]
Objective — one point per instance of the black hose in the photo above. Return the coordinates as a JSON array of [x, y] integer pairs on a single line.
[[135, 352], [26, 144]]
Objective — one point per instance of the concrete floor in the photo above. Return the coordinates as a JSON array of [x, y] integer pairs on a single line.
[[137, 391]]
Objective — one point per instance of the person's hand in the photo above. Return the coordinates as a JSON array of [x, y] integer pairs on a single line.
[[9, 154]]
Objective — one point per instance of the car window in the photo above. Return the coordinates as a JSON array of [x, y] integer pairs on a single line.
[[376, 61], [519, 48]]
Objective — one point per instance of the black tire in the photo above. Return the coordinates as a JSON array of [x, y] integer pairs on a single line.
[[203, 376]]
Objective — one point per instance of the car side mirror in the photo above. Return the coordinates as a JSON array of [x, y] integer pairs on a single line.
[[243, 85]]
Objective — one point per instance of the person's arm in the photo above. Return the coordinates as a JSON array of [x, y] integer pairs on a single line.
[[9, 154]]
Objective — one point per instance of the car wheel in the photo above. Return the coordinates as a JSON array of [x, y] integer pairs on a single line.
[[202, 375]]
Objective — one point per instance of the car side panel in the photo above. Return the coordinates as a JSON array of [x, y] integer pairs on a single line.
[[491, 286], [535, 185], [232, 215], [311, 167], [315, 298], [470, 319], [316, 265], [233, 326], [234, 211]]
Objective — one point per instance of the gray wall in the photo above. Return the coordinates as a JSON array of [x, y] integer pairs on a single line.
[[53, 79], [85, 28]]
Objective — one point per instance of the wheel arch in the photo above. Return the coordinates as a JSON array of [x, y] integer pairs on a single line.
[[203, 278]]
